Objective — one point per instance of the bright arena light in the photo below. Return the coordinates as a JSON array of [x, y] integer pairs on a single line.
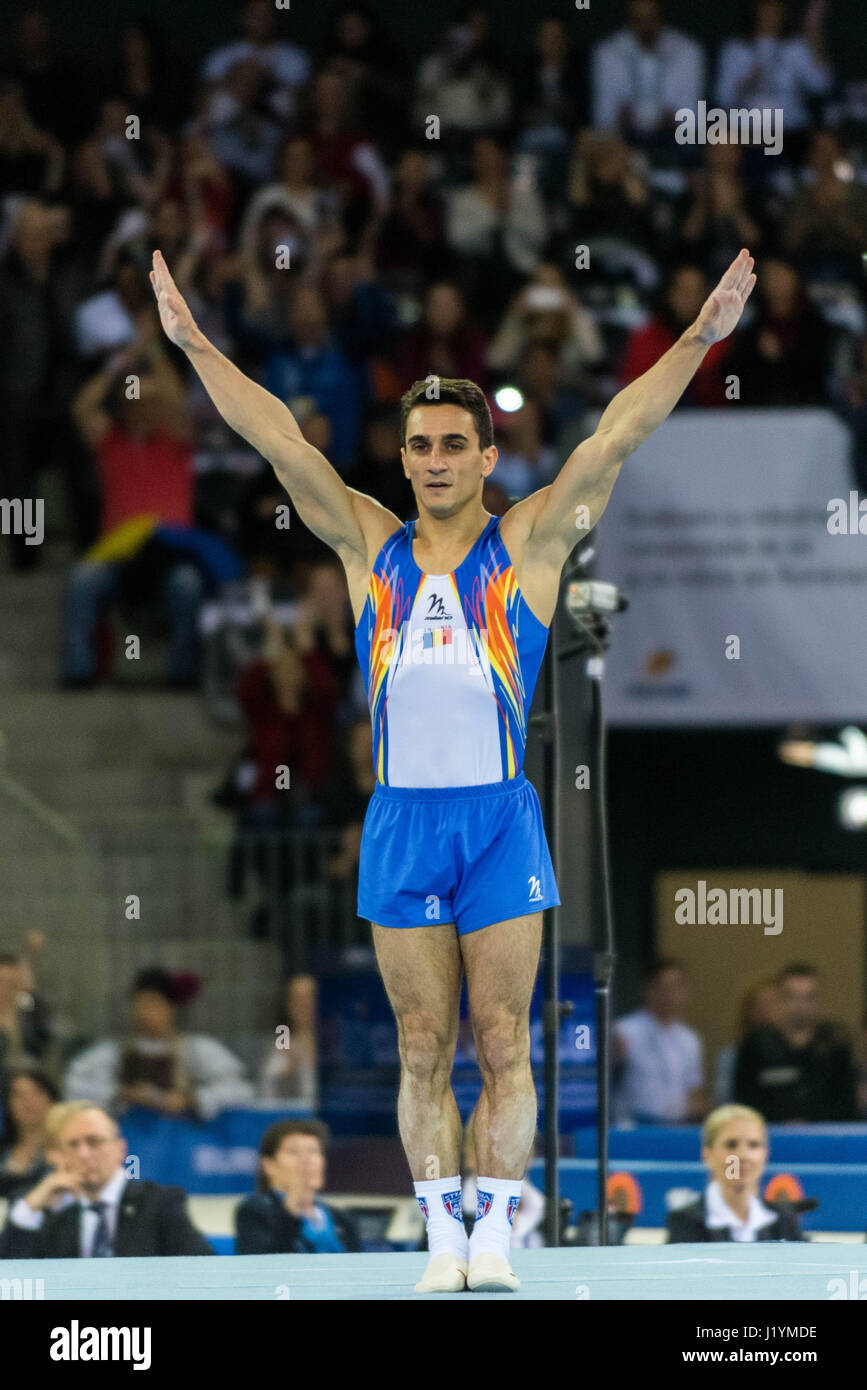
[[852, 807], [509, 398]]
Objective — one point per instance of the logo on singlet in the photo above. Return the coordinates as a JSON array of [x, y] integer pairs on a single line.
[[436, 609], [535, 889]]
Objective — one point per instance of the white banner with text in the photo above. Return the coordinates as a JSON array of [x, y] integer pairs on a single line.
[[740, 541]]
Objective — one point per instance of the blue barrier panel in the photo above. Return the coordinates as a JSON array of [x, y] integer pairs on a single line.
[[211, 1157], [843, 1143], [838, 1184]]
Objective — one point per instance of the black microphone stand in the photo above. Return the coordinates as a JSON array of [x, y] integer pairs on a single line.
[[593, 636]]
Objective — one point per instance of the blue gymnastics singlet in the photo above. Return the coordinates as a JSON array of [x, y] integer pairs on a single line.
[[450, 662]]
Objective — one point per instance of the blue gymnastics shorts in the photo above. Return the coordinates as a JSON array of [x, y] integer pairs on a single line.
[[468, 855]]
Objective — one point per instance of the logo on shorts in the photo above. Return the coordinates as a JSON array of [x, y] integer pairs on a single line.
[[512, 1208], [535, 889], [425, 1209], [484, 1204], [452, 1204]]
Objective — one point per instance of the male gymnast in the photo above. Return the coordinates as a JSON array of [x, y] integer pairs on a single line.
[[452, 613]]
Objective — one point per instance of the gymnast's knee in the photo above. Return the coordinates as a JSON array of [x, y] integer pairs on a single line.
[[426, 1049]]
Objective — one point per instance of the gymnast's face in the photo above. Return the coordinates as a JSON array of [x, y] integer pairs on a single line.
[[737, 1156], [443, 459]]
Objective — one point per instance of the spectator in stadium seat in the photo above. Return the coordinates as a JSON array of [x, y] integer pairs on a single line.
[[361, 313], [772, 66], [525, 462], [823, 223], [289, 1067], [143, 448], [800, 1069], [54, 93], [410, 239], [314, 365], [144, 77], [290, 693], [156, 1065], [497, 223], [459, 81], [377, 471], [345, 801], [734, 1150], [299, 197], [28, 1095], [658, 1057], [283, 67], [37, 362], [86, 1207], [242, 133], [360, 51], [720, 219], [608, 195], [759, 1004], [446, 341], [283, 1216], [539, 377], [679, 301], [348, 162], [549, 90], [25, 1021], [547, 311], [643, 74], [31, 160], [781, 358]]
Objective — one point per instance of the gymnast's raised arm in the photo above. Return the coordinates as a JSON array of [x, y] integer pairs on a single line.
[[344, 519]]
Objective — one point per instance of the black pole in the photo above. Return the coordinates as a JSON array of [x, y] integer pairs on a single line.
[[546, 723], [592, 634]]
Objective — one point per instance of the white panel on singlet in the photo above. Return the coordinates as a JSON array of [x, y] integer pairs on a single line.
[[441, 714]]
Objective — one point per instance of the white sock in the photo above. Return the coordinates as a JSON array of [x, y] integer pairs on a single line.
[[497, 1202], [440, 1203]]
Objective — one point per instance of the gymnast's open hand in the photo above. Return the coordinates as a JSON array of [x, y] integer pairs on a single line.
[[175, 317]]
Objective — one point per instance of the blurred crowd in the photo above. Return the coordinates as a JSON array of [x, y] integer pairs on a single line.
[[788, 1060], [344, 221]]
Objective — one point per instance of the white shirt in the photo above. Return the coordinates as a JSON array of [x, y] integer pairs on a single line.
[[663, 1064], [24, 1216], [651, 81], [719, 1213], [289, 66], [788, 72]]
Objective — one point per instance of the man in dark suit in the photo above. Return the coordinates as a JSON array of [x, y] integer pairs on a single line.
[[87, 1207]]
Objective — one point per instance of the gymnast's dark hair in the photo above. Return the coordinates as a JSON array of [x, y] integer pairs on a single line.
[[449, 390]]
